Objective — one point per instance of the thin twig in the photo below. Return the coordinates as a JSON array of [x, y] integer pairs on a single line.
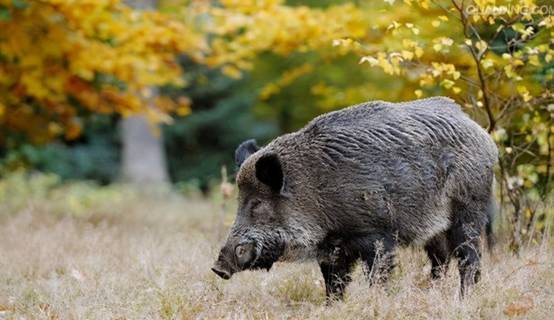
[[477, 56]]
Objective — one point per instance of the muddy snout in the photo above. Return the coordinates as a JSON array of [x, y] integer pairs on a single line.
[[234, 260]]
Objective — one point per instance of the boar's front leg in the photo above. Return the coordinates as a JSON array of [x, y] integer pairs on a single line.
[[336, 272], [377, 253]]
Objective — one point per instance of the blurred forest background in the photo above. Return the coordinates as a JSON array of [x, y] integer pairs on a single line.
[[162, 91]]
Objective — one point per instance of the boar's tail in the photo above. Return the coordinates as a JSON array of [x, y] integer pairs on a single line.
[[491, 213]]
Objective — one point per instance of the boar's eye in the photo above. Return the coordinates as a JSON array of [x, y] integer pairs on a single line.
[[255, 203], [256, 208]]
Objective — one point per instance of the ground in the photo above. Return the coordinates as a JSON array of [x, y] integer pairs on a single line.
[[68, 256]]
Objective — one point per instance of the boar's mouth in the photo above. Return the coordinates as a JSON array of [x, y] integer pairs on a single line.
[[267, 256]]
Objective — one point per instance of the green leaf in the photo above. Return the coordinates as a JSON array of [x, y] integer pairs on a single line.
[[5, 14], [20, 4]]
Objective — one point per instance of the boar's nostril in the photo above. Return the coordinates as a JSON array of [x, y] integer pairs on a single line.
[[223, 274]]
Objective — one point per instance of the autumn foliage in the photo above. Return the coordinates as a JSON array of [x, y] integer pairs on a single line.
[[62, 59]]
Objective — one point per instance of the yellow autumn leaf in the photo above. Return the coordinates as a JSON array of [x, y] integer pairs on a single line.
[[369, 59], [509, 71], [424, 4], [418, 52], [231, 72], [534, 60], [487, 63], [456, 75], [524, 93], [447, 83], [481, 46], [408, 55]]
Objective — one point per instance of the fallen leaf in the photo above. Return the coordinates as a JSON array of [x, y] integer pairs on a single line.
[[519, 307]]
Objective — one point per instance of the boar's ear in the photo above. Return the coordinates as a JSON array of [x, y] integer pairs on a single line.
[[244, 150], [270, 172]]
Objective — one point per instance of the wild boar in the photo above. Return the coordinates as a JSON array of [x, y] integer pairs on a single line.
[[356, 183]]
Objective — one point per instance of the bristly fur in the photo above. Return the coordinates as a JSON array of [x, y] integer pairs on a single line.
[[378, 172]]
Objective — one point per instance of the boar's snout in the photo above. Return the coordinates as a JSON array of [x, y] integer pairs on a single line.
[[223, 273], [231, 261]]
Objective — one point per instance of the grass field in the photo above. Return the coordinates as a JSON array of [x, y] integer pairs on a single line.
[[111, 255]]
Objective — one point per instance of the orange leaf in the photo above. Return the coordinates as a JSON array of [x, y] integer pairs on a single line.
[[519, 307]]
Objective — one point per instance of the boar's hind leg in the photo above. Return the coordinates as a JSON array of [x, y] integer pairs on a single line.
[[337, 276], [438, 252], [464, 239]]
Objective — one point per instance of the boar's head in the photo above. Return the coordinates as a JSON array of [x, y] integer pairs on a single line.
[[270, 224]]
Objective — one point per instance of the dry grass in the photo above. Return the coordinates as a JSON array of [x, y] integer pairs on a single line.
[[150, 258]]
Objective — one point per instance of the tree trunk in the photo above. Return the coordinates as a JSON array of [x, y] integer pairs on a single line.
[[143, 159], [143, 154]]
